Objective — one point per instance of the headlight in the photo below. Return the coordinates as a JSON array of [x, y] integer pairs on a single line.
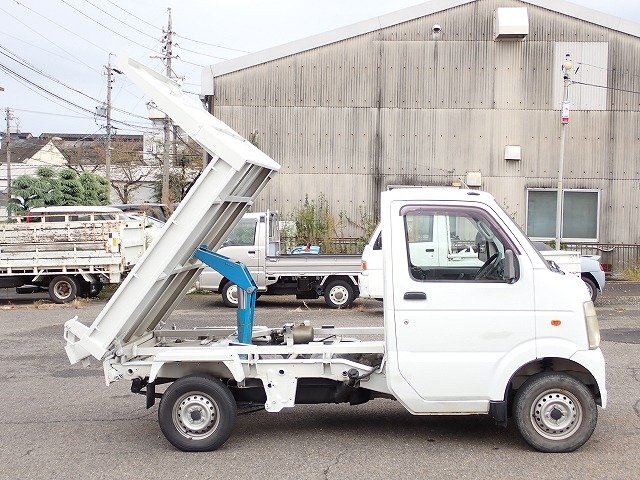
[[591, 320]]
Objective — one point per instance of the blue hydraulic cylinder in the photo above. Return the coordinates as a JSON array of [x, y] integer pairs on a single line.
[[239, 274]]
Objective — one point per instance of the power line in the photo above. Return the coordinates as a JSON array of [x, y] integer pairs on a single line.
[[176, 34], [48, 40], [64, 100], [210, 44], [119, 20], [608, 69], [608, 88], [103, 26], [61, 26], [32, 67], [47, 113], [134, 16]]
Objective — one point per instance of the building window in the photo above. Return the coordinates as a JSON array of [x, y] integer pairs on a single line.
[[580, 217]]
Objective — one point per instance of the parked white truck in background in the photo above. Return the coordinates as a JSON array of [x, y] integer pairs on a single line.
[[450, 244], [255, 241], [68, 251], [510, 338]]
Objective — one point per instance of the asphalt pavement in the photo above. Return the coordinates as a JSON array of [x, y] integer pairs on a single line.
[[60, 421]]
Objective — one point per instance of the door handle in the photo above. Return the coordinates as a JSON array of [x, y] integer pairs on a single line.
[[415, 296]]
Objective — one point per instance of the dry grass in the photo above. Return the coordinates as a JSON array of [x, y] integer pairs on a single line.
[[359, 308], [43, 305], [631, 272]]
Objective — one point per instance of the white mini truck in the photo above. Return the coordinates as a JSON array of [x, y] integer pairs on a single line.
[[511, 339]]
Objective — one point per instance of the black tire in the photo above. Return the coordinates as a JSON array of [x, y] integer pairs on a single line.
[[339, 294], [555, 412], [63, 289], [591, 286], [197, 413], [230, 295]]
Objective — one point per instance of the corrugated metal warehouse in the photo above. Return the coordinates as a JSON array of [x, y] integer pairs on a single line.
[[452, 91]]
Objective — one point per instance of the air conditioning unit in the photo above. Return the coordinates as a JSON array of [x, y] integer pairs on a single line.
[[510, 23]]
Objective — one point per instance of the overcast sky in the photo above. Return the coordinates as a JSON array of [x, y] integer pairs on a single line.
[[53, 52]]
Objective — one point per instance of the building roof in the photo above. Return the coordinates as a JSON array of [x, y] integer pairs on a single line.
[[22, 149], [395, 18], [77, 137]]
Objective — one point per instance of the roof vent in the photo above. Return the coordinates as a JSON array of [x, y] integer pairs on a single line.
[[510, 23]]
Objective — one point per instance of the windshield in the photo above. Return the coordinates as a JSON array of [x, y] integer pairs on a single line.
[[535, 249]]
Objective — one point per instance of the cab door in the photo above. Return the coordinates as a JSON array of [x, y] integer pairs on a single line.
[[454, 327]]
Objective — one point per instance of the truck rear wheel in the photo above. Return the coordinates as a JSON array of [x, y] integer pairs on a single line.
[[230, 295], [197, 413], [339, 294], [555, 412], [63, 289]]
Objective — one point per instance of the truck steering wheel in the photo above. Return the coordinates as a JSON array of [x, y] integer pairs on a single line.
[[487, 268]]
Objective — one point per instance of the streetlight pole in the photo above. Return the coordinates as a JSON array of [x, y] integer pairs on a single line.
[[566, 75]]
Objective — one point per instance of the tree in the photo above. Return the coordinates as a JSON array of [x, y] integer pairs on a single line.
[[186, 168], [128, 170], [48, 188], [71, 189]]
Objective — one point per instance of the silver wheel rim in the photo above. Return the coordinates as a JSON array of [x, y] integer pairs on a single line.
[[62, 290], [339, 295], [195, 416], [589, 289], [232, 294], [556, 414]]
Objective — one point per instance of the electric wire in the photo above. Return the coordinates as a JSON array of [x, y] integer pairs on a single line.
[[26, 81], [209, 44], [50, 52], [119, 20], [104, 26], [604, 86], [46, 39], [16, 58], [608, 69], [174, 33], [61, 26]]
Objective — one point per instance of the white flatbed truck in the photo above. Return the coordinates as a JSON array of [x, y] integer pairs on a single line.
[[255, 242], [514, 340], [68, 257]]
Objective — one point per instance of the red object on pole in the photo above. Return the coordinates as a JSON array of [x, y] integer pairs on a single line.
[[565, 112]]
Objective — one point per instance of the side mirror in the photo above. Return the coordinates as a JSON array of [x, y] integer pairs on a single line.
[[509, 265]]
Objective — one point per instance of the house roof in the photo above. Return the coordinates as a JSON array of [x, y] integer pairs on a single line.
[[395, 18], [22, 149]]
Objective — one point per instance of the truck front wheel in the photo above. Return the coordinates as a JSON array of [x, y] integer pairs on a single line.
[[63, 289], [197, 413], [339, 294], [555, 412], [591, 287]]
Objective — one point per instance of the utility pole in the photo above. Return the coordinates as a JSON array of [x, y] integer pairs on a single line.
[[566, 76], [8, 141], [107, 156], [168, 53]]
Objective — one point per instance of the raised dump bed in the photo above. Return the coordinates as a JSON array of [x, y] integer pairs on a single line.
[[216, 202]]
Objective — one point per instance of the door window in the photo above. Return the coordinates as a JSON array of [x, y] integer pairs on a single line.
[[454, 245], [243, 234]]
